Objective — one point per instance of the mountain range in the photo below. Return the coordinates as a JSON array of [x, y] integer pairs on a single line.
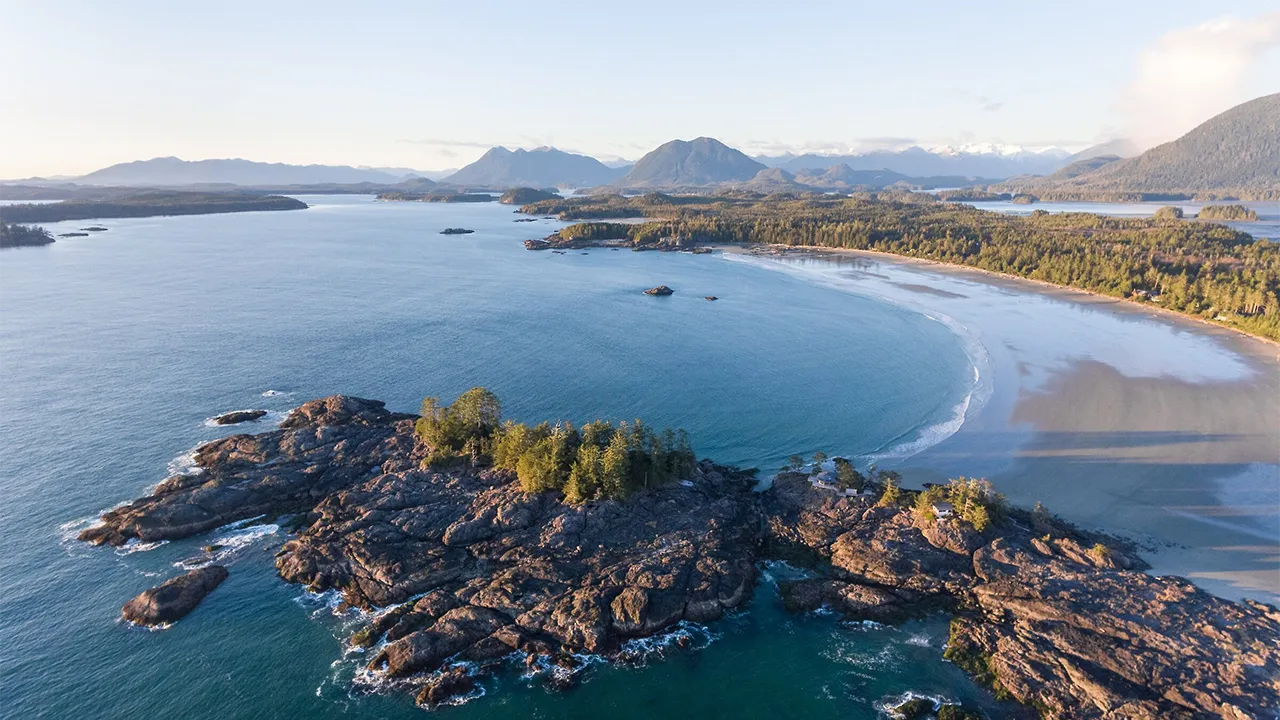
[[171, 171], [916, 161], [541, 167]]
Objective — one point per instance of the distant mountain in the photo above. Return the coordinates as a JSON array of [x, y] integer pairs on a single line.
[[970, 161], [542, 167], [840, 176], [1236, 153], [1120, 147], [690, 163], [171, 171]]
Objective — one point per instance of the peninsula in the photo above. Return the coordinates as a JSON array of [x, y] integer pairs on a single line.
[[148, 204], [476, 538]]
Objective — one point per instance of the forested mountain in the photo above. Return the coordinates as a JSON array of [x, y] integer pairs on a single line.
[[690, 163], [1081, 167], [1234, 153], [172, 171], [916, 161], [541, 167]]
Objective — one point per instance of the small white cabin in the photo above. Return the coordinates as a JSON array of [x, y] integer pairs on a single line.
[[943, 509]]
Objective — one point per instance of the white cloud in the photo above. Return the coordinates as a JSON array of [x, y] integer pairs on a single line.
[[1191, 74]]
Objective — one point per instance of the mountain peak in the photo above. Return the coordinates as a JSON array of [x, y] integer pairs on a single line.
[[541, 167], [701, 161]]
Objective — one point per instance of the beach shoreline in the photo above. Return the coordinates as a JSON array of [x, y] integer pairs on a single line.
[[1149, 425]]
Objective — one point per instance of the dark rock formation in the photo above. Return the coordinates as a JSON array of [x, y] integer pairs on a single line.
[[456, 231], [238, 416], [94, 228], [711, 297], [660, 290], [468, 567], [73, 234], [173, 599], [1074, 632]]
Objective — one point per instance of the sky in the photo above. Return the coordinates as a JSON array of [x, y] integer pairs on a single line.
[[432, 85]]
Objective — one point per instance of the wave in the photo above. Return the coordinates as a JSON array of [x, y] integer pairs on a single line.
[[887, 704], [226, 546], [134, 545], [977, 394]]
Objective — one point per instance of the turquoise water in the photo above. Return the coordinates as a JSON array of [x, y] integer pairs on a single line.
[[116, 348]]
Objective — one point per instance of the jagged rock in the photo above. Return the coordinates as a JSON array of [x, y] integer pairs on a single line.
[[660, 290], [444, 686], [173, 599]]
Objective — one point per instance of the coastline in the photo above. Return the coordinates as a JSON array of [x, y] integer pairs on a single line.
[[961, 269], [1138, 423]]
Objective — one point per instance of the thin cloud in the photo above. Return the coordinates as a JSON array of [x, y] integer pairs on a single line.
[[1191, 74], [989, 105]]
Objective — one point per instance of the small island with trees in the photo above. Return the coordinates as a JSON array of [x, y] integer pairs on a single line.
[[12, 236], [525, 195], [1237, 213]]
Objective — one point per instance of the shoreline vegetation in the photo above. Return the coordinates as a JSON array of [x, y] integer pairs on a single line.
[[473, 539], [1198, 269], [148, 204]]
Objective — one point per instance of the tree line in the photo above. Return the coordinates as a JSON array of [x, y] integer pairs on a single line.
[[598, 460]]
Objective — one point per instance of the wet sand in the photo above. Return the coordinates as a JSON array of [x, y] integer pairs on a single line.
[[1117, 417]]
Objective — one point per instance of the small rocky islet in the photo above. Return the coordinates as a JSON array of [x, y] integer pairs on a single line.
[[465, 569], [235, 417]]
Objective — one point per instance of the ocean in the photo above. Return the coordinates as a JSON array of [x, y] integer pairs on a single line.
[[117, 348]]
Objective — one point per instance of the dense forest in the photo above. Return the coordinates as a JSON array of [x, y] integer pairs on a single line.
[[440, 196], [148, 204], [598, 460], [1201, 269], [23, 236]]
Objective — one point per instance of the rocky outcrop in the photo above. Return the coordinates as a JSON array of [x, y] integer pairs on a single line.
[[1073, 632], [172, 600], [322, 447], [460, 569], [461, 563], [660, 290], [238, 416], [456, 231]]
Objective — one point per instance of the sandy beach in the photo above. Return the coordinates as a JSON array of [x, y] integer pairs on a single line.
[[1116, 416]]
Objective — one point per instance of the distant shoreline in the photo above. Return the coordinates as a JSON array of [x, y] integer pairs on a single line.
[[147, 205], [951, 267]]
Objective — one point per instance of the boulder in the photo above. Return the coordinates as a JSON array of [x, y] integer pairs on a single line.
[[174, 598], [660, 290]]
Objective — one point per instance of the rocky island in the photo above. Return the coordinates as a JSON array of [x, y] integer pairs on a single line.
[[456, 231], [473, 540], [173, 599], [235, 417]]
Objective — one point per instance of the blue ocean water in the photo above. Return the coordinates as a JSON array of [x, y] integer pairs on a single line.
[[116, 348]]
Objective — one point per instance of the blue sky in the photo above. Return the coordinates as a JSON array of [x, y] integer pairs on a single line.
[[427, 86]]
